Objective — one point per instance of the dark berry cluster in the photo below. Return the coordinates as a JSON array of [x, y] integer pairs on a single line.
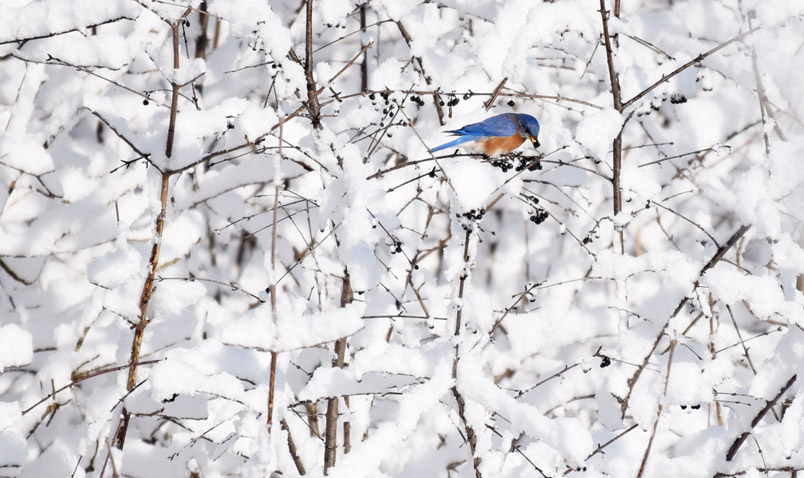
[[677, 98], [474, 214], [418, 100], [539, 216], [453, 101], [529, 163], [396, 248], [502, 163]]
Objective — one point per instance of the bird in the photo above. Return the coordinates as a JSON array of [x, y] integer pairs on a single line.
[[502, 133]]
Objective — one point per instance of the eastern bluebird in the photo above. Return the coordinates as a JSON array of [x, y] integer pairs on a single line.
[[498, 134]]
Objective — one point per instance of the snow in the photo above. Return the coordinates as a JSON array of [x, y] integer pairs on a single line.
[[294, 331], [597, 130], [545, 301], [16, 346]]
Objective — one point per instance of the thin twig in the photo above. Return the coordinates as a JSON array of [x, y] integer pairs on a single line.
[[494, 94]]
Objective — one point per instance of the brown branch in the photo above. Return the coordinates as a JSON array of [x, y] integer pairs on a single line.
[[153, 263], [683, 67], [735, 447], [76, 29], [364, 64], [722, 250], [13, 274], [427, 79], [312, 95], [84, 377], [617, 146], [331, 427], [122, 136], [292, 448], [613, 79], [174, 103]]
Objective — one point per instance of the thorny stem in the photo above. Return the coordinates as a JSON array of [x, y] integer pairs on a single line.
[[470, 432], [330, 444]]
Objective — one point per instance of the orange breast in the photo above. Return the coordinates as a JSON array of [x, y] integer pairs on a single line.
[[497, 145]]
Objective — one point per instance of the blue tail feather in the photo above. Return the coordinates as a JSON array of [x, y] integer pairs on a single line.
[[461, 140]]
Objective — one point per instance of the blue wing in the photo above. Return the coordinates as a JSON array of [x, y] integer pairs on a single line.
[[500, 125]]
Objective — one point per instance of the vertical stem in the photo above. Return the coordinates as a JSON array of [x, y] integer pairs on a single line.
[[658, 412], [764, 109], [272, 288], [470, 432], [153, 263], [615, 85], [174, 103], [203, 39], [330, 439], [312, 95], [713, 352], [347, 429], [617, 146], [292, 447], [364, 65], [617, 197]]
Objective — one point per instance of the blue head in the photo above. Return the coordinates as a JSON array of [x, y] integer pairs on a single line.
[[528, 128]]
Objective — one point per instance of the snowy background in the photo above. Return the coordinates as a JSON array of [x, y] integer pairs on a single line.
[[225, 249]]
